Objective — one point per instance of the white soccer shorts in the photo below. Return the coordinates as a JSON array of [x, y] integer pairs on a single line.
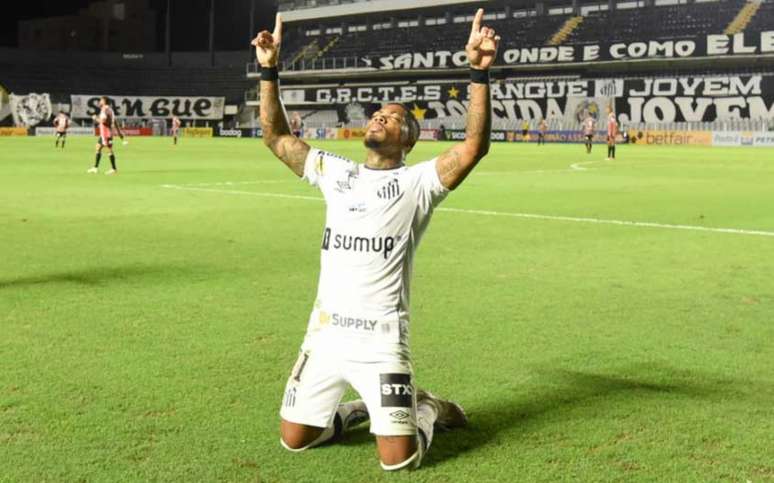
[[318, 382]]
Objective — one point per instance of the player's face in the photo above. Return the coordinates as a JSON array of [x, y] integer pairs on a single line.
[[384, 127]]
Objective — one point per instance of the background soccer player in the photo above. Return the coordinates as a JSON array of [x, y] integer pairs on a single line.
[[175, 128], [105, 122], [542, 128], [376, 214], [612, 132], [588, 131], [62, 124]]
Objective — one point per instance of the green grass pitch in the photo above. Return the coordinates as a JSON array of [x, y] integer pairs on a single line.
[[148, 321]]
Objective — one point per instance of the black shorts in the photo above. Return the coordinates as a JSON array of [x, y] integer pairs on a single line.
[[61, 134], [589, 137], [524, 132], [108, 142]]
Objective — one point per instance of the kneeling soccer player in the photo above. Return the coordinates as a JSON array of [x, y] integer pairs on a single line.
[[357, 333]]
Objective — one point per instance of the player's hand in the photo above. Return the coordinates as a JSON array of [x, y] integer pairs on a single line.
[[482, 44], [267, 45]]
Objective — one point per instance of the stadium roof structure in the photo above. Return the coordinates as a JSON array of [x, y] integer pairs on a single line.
[[368, 7]]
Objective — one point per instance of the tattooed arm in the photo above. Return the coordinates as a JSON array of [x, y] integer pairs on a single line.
[[274, 122], [456, 163], [276, 131]]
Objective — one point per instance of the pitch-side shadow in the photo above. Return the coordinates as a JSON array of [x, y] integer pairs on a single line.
[[87, 276], [527, 414]]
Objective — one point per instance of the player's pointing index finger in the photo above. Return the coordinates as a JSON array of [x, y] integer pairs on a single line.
[[277, 28], [477, 21]]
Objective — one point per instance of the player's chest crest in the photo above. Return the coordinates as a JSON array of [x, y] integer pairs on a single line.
[[355, 194]]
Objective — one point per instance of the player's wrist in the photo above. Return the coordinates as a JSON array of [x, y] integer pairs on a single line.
[[269, 73], [479, 76]]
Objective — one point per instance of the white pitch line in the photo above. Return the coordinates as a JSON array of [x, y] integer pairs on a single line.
[[531, 216], [580, 166], [236, 192]]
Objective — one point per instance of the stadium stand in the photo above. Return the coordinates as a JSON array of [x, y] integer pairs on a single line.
[[63, 74], [763, 18], [669, 21]]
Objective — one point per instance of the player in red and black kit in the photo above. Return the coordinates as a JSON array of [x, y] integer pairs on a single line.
[[612, 132], [175, 127], [61, 123], [106, 121]]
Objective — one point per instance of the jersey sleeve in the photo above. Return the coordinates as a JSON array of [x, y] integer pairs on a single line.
[[429, 189], [322, 169]]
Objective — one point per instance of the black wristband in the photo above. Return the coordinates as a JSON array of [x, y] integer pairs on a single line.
[[479, 76], [269, 73]]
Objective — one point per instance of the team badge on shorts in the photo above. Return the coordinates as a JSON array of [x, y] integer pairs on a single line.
[[397, 390]]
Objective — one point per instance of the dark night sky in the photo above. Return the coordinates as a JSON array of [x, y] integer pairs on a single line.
[[190, 20]]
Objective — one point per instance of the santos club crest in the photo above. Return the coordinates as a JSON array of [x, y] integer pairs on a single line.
[[31, 109]]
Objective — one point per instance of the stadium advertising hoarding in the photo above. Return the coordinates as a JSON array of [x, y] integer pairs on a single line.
[[320, 133], [648, 99], [743, 138], [13, 131], [238, 132], [72, 131], [670, 138], [713, 45], [197, 132], [146, 107]]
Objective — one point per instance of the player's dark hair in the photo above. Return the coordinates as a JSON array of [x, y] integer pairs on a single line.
[[104, 99], [409, 129]]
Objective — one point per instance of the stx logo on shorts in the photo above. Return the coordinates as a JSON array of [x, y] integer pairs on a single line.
[[375, 244], [389, 191], [397, 390]]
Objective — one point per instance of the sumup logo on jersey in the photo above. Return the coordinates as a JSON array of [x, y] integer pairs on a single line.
[[374, 244]]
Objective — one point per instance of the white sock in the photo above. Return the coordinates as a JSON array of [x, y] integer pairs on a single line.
[[426, 416], [351, 413]]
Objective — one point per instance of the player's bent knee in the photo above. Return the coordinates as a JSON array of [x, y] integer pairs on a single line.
[[298, 437]]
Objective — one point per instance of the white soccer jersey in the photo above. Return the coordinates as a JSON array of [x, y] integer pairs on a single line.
[[374, 222]]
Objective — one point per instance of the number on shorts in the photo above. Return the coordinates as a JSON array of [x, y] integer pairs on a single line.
[[300, 365]]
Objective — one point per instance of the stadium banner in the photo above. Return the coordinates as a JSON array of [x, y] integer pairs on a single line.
[[639, 100], [13, 131], [743, 138], [72, 131], [144, 107], [197, 132], [713, 45], [670, 138], [30, 109], [238, 132]]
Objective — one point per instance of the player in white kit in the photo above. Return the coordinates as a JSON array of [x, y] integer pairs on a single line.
[[357, 333]]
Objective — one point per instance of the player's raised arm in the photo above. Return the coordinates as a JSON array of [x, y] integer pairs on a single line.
[[456, 163], [274, 122]]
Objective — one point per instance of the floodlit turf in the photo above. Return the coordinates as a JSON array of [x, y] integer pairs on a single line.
[[146, 331]]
